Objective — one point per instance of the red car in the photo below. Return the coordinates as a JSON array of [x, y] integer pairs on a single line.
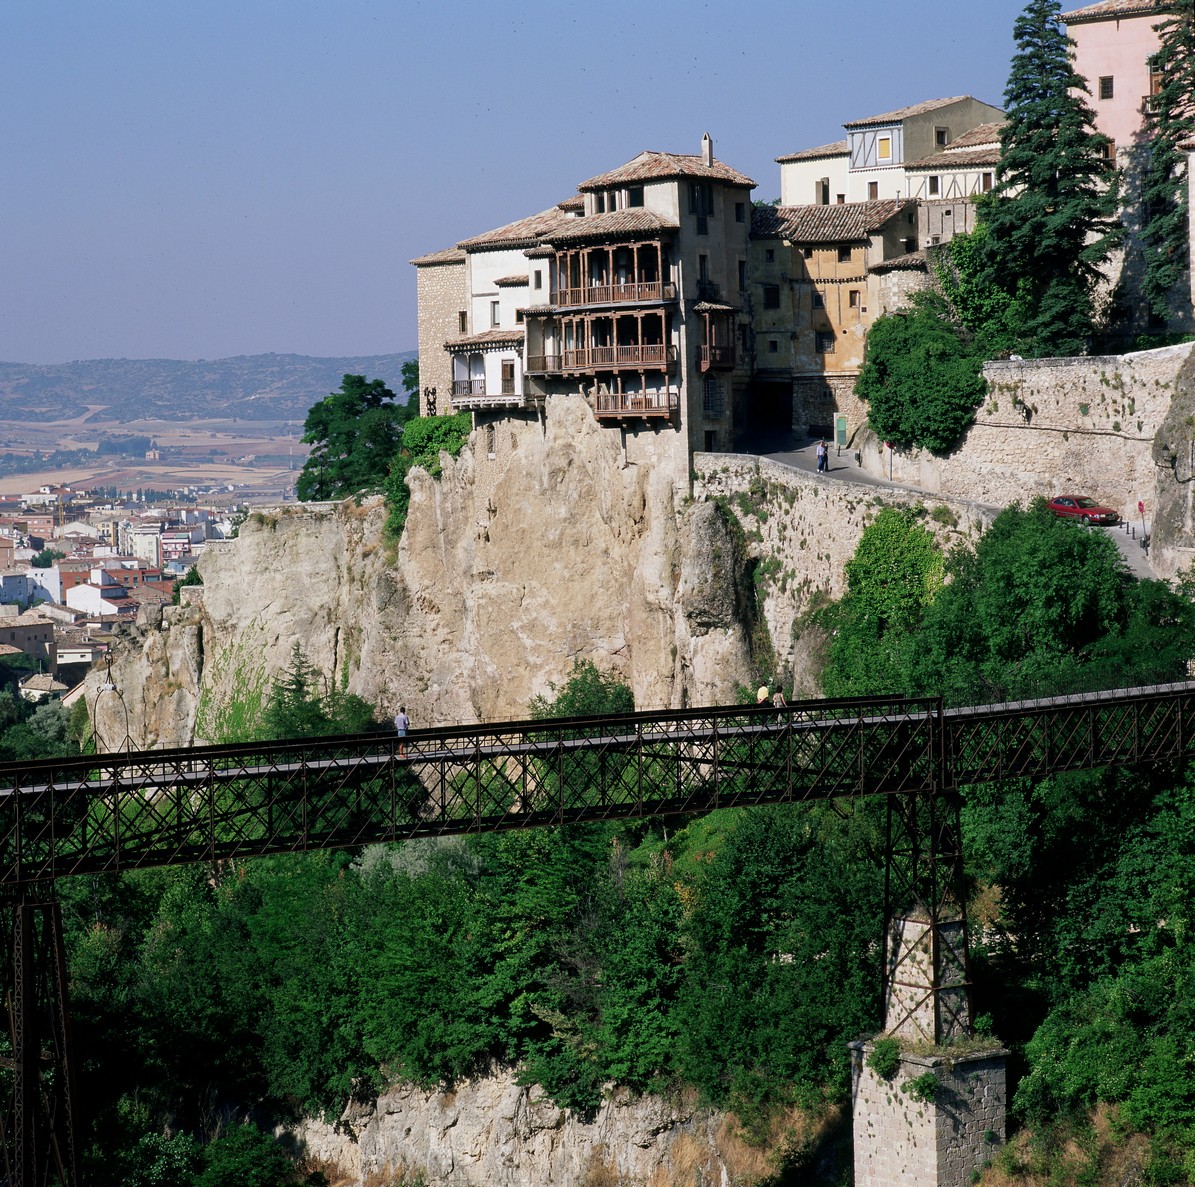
[[1082, 508]]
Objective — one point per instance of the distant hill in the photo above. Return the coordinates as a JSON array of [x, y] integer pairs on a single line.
[[250, 387]]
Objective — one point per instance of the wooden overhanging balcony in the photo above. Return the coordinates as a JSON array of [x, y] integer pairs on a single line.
[[477, 393], [656, 355], [717, 358], [652, 404], [632, 293]]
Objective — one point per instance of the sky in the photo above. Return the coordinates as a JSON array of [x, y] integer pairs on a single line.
[[201, 180]]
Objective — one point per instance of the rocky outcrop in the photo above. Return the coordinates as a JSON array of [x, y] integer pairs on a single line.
[[495, 1132], [506, 573]]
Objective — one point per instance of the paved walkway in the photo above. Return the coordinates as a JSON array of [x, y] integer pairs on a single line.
[[843, 468]]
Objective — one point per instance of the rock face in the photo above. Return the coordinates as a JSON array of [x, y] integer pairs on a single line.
[[497, 1133], [506, 574]]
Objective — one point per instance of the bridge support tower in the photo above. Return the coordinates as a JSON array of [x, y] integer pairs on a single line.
[[928, 1097]]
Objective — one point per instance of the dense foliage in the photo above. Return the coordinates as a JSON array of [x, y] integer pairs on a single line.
[[1051, 217], [922, 376], [1169, 124], [354, 433]]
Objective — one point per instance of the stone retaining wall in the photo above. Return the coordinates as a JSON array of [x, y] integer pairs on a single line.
[[1049, 426]]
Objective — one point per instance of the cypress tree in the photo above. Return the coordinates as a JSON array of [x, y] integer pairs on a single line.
[[1169, 122], [1052, 214]]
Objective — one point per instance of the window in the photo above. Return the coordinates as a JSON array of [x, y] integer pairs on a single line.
[[824, 342], [740, 212], [823, 192], [742, 275], [1155, 78], [537, 280], [941, 137], [518, 317], [713, 403], [935, 184], [1106, 87], [495, 313], [462, 321], [884, 148], [600, 202], [842, 199], [508, 382], [844, 255], [490, 442], [854, 299], [819, 302], [701, 198], [807, 252], [773, 346], [769, 255], [873, 191], [635, 196], [711, 440], [987, 182], [1110, 151], [771, 296]]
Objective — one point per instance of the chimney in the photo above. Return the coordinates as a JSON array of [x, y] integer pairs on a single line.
[[707, 149]]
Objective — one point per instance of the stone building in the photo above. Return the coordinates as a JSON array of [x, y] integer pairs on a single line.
[[872, 162], [631, 293], [814, 296]]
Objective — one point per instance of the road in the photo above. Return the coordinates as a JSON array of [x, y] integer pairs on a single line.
[[842, 468]]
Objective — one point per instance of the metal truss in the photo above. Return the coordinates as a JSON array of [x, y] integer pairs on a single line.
[[114, 812]]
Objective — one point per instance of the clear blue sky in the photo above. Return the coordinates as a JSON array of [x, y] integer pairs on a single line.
[[198, 180]]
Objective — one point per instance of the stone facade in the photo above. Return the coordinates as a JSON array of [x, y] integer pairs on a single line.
[[903, 1141], [442, 298]]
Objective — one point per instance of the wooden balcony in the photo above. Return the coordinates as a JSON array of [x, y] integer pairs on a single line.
[[654, 356], [717, 358], [474, 393], [637, 293], [649, 405]]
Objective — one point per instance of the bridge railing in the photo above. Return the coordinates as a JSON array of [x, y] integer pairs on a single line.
[[124, 811]]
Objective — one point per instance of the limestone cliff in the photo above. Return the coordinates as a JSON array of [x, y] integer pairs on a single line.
[[504, 575], [495, 1132]]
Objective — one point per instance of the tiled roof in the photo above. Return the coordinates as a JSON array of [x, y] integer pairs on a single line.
[[655, 166], [487, 338], [9, 649], [850, 222], [43, 682], [714, 307], [957, 160], [542, 251], [980, 134], [612, 225], [527, 232], [511, 281], [913, 261], [837, 149], [576, 202], [904, 113], [452, 255], [1106, 10]]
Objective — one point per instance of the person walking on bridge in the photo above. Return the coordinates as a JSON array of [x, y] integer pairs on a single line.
[[402, 723]]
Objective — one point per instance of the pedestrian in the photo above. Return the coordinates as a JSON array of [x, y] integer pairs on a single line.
[[778, 701], [402, 723], [762, 694], [823, 456]]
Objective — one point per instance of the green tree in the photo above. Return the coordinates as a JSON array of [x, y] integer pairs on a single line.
[[354, 433], [1169, 122], [893, 577], [1052, 214], [922, 377], [410, 381], [46, 558]]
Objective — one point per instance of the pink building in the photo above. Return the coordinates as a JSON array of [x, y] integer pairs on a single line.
[[1114, 42]]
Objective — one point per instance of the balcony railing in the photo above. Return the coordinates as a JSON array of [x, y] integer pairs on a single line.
[[650, 404], [707, 290], [474, 393], [656, 355], [616, 294], [716, 357]]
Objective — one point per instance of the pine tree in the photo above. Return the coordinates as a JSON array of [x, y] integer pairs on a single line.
[[1052, 215], [1169, 122]]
